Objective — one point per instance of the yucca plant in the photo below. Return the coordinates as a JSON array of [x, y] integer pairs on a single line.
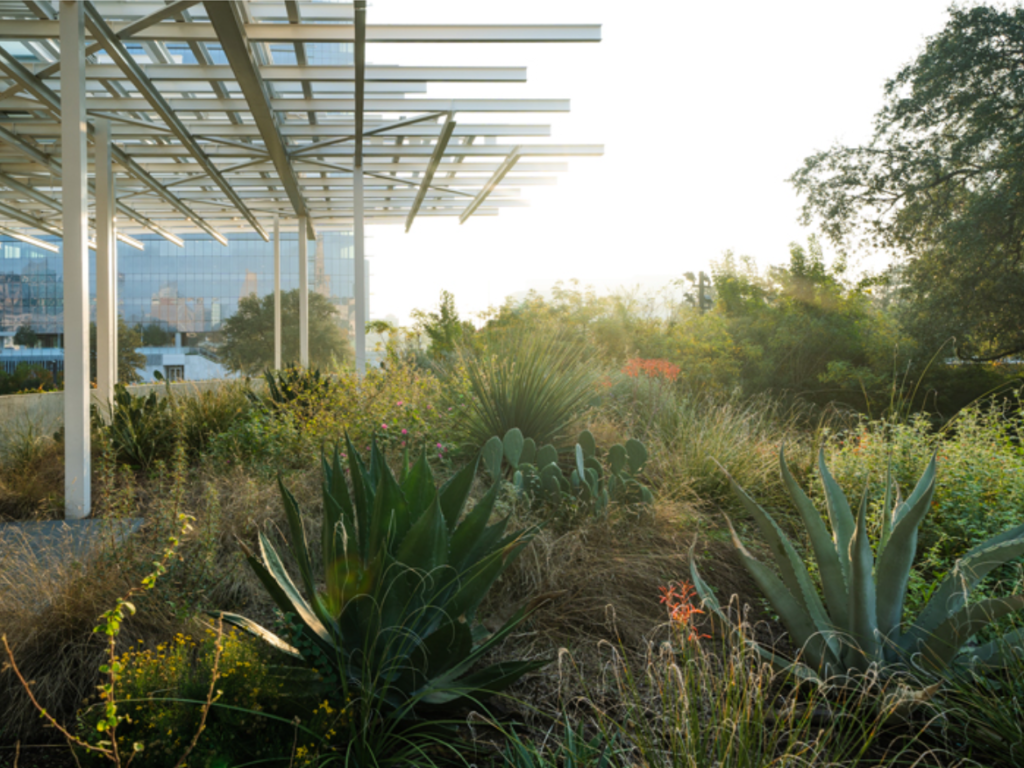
[[860, 620], [403, 576], [537, 384]]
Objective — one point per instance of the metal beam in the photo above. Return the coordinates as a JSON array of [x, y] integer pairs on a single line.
[[304, 73], [358, 223], [46, 94], [77, 456], [106, 268], [30, 220], [115, 48], [428, 176], [264, 32], [372, 132], [231, 33], [499, 174]]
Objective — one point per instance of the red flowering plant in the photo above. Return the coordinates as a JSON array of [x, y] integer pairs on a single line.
[[680, 599], [651, 368]]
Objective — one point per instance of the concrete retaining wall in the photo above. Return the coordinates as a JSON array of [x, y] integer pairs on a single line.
[[44, 411]]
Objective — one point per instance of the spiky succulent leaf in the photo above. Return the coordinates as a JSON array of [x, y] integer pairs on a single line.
[[839, 514], [833, 581], [863, 621], [455, 491], [794, 573], [426, 545], [468, 543], [897, 557], [418, 484], [1006, 649], [939, 648], [951, 594], [258, 631], [810, 635]]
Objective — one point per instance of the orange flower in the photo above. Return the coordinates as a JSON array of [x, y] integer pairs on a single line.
[[679, 597]]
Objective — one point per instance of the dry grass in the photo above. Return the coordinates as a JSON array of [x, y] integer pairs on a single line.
[[31, 473]]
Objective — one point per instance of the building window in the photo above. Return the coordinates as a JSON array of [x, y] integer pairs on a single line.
[[175, 372]]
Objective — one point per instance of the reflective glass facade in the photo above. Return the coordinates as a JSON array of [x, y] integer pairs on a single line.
[[193, 289]]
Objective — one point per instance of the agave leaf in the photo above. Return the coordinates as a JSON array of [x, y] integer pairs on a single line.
[[418, 486], [492, 453], [390, 521], [707, 597], [299, 547], [794, 573], [1001, 651], [951, 594], [426, 545], [897, 558], [941, 646], [889, 506], [466, 538], [839, 514], [477, 579], [258, 631], [832, 578], [284, 592], [815, 638], [478, 685], [863, 620], [362, 499], [513, 446], [453, 494]]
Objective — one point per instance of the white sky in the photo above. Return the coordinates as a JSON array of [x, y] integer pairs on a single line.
[[704, 109]]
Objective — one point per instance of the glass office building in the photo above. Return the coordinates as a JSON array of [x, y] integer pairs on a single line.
[[190, 290]]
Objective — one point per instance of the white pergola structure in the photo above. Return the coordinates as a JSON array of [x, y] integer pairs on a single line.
[[247, 145]]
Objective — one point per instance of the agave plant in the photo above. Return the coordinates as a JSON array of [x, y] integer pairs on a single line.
[[403, 577], [859, 621]]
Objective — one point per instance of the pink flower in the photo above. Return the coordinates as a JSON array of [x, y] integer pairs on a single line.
[[405, 431], [400, 403], [439, 446], [383, 426]]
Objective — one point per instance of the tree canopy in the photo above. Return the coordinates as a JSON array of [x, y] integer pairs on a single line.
[[941, 184], [248, 344]]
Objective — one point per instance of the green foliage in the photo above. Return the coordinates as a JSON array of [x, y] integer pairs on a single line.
[[596, 479], [404, 572], [154, 335], [27, 378], [26, 336], [940, 183], [248, 344], [203, 414], [162, 690], [860, 622], [443, 328], [537, 384], [979, 493], [140, 428], [293, 387], [129, 361]]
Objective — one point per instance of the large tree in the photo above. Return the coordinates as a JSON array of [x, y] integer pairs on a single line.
[[941, 185], [128, 360], [248, 344]]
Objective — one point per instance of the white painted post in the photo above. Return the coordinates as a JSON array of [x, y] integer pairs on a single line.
[[106, 250], [303, 294], [74, 198], [360, 269], [277, 293]]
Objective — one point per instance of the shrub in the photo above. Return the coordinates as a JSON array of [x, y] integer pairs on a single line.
[[536, 383], [394, 627], [162, 689]]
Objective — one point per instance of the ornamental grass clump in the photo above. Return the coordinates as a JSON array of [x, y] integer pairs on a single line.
[[860, 621]]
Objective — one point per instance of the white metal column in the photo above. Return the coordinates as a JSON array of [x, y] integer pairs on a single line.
[[303, 294], [277, 293], [106, 270], [73, 129], [360, 269]]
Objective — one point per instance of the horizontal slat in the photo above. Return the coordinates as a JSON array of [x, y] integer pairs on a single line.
[[12, 29], [405, 106], [311, 73]]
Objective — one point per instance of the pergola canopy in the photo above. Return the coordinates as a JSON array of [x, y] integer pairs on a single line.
[[255, 130], [210, 117]]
